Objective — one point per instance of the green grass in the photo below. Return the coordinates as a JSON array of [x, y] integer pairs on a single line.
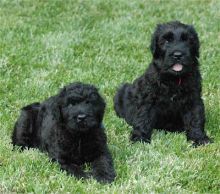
[[47, 44]]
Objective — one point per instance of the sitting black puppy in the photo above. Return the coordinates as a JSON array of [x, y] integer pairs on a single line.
[[69, 127], [168, 95]]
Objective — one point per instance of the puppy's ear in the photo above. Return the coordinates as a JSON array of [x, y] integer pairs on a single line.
[[61, 118], [154, 41], [194, 40], [63, 91], [55, 109], [102, 106]]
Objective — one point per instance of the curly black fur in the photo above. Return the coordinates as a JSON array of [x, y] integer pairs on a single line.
[[69, 127], [168, 95]]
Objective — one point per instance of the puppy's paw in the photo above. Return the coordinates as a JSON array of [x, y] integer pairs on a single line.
[[74, 170], [139, 136], [105, 179], [203, 141]]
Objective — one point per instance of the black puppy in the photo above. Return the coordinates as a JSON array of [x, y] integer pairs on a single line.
[[69, 127], [168, 95]]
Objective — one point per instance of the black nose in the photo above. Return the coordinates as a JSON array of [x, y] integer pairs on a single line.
[[177, 55], [81, 117]]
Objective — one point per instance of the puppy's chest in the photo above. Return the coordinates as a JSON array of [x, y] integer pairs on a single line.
[[172, 98], [86, 149]]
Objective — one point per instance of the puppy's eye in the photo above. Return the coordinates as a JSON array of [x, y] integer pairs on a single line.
[[163, 42], [168, 37], [87, 101], [72, 103], [184, 37], [191, 40], [93, 96]]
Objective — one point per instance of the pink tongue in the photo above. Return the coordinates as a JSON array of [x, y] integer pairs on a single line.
[[177, 67]]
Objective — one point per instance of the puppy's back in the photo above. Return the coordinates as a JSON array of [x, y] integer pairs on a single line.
[[25, 129]]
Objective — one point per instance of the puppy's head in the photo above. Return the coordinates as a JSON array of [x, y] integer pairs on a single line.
[[175, 48], [82, 107]]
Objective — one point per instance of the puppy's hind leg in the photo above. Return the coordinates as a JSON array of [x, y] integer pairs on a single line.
[[24, 133], [119, 100]]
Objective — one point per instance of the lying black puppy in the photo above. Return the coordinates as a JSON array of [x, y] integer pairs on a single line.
[[69, 127], [168, 95]]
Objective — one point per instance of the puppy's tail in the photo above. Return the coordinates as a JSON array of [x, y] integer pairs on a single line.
[[25, 129], [120, 99]]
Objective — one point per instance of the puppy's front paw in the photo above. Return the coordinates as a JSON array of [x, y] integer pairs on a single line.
[[105, 179], [203, 141], [138, 135], [74, 170]]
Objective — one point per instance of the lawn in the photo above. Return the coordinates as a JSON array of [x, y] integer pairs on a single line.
[[47, 44]]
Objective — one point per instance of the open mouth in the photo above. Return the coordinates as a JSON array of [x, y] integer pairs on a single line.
[[177, 67]]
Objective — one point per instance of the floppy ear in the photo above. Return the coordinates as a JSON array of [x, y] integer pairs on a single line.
[[102, 106], [153, 44], [103, 109], [51, 111], [154, 41], [62, 91], [194, 40]]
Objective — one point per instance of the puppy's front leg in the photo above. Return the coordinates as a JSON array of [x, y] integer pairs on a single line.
[[194, 121], [143, 125], [74, 170], [103, 168]]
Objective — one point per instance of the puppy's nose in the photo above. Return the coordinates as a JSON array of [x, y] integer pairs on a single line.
[[177, 55], [81, 117]]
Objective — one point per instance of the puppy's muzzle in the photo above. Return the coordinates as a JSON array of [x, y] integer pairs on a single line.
[[80, 118], [177, 55]]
